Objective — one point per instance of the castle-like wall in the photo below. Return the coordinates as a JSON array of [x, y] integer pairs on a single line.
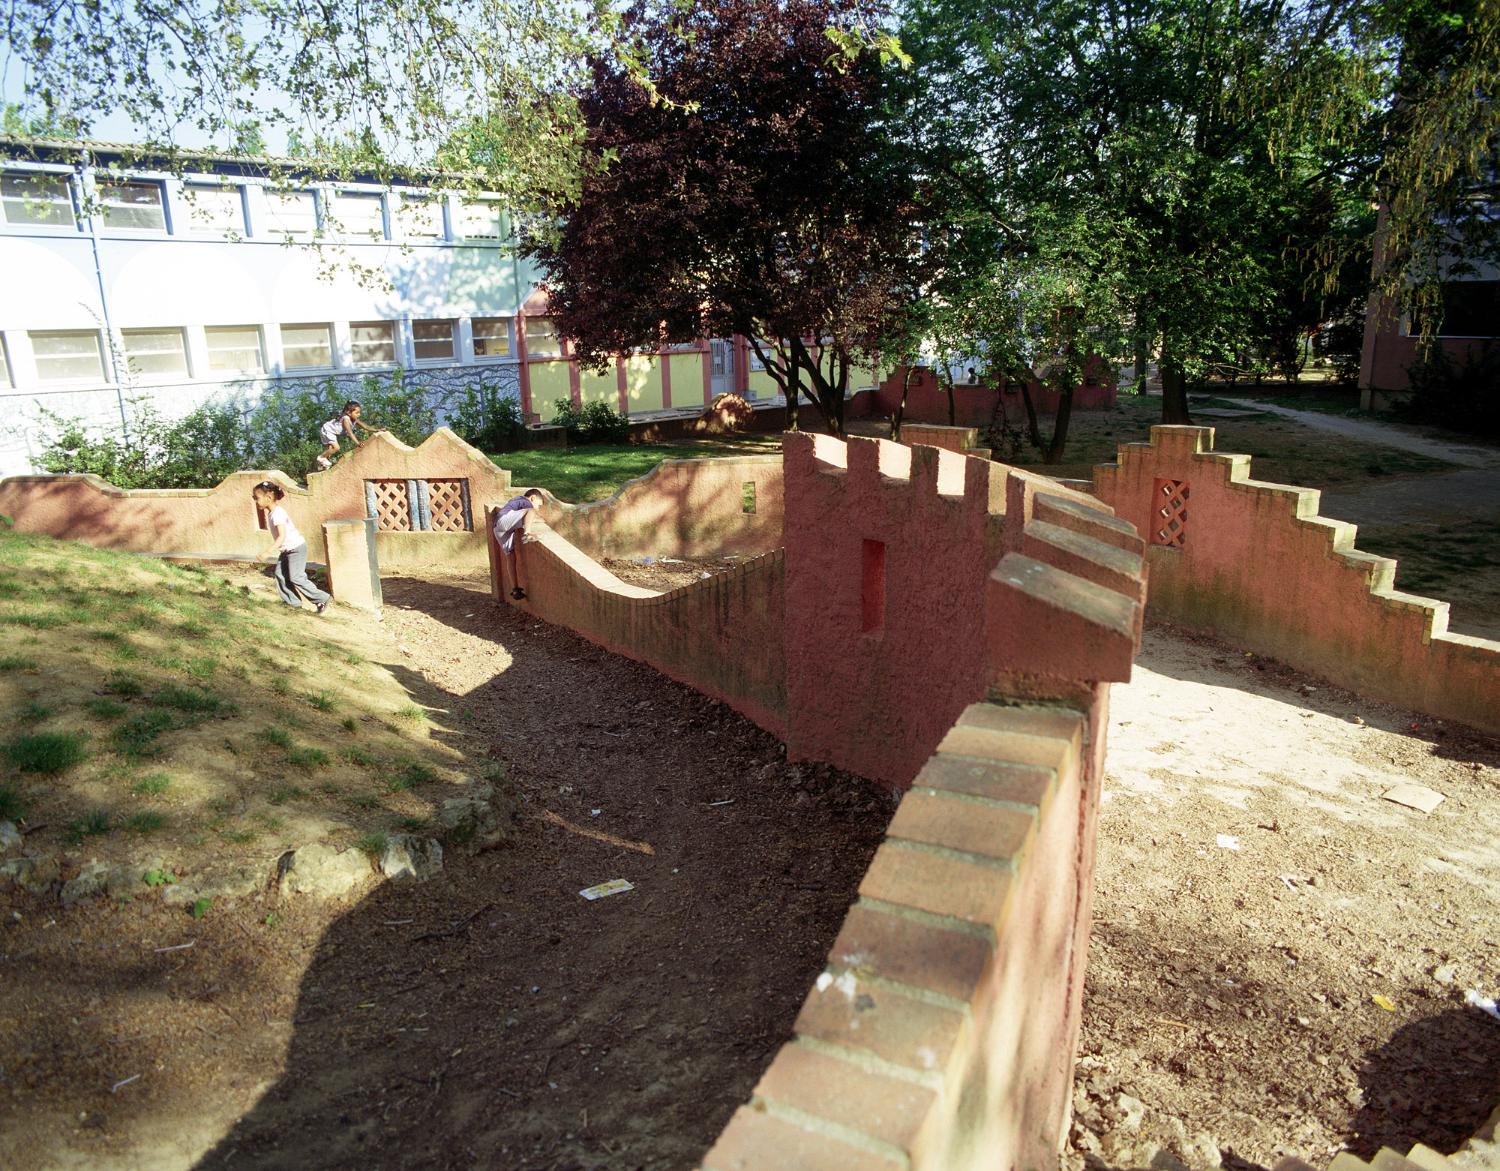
[[940, 1036], [682, 508], [974, 405], [721, 636], [1254, 564], [223, 522]]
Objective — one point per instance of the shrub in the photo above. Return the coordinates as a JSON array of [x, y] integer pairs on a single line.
[[595, 422], [488, 418], [1462, 395]]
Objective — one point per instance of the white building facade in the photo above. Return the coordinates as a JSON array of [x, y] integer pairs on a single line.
[[122, 283]]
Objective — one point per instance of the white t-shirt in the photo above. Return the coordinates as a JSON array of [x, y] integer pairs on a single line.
[[287, 535]]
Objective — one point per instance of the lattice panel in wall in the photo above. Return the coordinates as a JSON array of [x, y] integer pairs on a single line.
[[392, 505], [446, 506], [1169, 513]]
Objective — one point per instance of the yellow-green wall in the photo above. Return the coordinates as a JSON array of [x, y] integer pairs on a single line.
[[687, 379], [762, 385], [642, 383], [549, 382], [602, 388]]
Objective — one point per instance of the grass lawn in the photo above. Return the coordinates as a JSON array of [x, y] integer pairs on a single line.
[[163, 716], [593, 472]]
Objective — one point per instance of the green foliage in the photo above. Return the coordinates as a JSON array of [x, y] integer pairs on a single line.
[[104, 708], [145, 821], [322, 700], [187, 699], [307, 758], [17, 663], [372, 844], [200, 907], [488, 418], [33, 712], [1463, 395], [138, 736], [279, 433], [123, 683], [48, 753], [412, 775], [155, 878], [594, 422]]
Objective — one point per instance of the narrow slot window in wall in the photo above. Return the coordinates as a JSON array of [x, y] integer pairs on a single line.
[[747, 496], [872, 588]]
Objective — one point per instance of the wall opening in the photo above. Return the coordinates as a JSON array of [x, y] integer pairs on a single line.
[[1169, 513], [423, 506], [747, 496], [872, 587]]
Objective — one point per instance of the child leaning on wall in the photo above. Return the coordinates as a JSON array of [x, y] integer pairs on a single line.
[[510, 526], [291, 550]]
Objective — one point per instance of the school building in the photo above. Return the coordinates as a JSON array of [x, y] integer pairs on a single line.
[[127, 282]]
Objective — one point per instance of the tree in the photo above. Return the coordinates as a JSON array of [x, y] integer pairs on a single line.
[[1182, 159], [378, 86], [747, 187]]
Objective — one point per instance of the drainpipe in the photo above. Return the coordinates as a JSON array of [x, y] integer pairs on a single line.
[[109, 332]]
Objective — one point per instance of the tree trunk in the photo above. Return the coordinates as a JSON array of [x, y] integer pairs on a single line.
[[1141, 355], [901, 406], [1174, 404], [1060, 424], [947, 377], [1033, 431]]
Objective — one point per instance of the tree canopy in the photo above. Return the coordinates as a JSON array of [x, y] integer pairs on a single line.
[[749, 187]]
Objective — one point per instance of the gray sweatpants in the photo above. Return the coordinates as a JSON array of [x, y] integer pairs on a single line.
[[291, 579]]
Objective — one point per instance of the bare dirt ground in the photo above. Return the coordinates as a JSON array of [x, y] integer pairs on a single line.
[[489, 1017], [1230, 1009]]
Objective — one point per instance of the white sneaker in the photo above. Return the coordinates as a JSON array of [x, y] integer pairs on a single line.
[[323, 463]]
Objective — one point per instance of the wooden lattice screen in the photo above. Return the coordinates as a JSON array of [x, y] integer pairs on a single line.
[[405, 506], [447, 507], [1169, 524]]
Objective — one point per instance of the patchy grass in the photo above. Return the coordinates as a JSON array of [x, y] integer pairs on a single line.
[[47, 753], [123, 660], [596, 471]]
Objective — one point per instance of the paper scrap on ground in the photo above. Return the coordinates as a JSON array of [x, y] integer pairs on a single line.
[[614, 886], [1414, 797], [1229, 841], [1384, 1002]]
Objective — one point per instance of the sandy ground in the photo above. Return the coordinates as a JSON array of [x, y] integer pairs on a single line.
[[1256, 893]]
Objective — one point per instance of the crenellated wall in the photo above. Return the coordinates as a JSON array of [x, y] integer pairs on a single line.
[[950, 625], [1254, 564]]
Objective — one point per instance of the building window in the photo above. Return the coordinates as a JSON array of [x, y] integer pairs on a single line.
[[373, 343], [433, 340], [1470, 309], [491, 337], [306, 347], [541, 338], [5, 379], [42, 200], [215, 211], [293, 214], [159, 352], [359, 214], [480, 219], [234, 349], [422, 217], [133, 204], [71, 356]]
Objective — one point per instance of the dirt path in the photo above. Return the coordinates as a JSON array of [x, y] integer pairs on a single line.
[[1411, 439], [1230, 1007], [489, 1017]]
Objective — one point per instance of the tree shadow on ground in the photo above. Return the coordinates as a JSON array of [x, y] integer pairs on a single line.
[[491, 1016]]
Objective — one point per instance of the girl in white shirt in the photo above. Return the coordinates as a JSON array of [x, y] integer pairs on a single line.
[[291, 550]]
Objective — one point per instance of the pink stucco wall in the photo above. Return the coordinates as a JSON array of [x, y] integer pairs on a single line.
[[721, 636], [221, 521], [1261, 569], [682, 508], [1387, 354]]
